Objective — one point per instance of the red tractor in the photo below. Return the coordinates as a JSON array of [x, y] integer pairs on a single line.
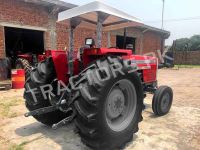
[[27, 61], [102, 91]]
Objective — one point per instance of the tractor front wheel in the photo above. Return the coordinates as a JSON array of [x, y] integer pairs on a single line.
[[108, 110], [162, 100]]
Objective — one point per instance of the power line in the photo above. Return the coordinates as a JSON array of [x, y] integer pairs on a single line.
[[175, 20]]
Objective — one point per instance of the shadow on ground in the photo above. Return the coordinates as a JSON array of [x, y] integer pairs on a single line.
[[64, 137]]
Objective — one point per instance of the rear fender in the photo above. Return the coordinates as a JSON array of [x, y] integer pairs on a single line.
[[60, 63], [60, 60]]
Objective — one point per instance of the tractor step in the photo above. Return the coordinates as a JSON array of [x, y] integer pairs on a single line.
[[64, 121], [41, 111]]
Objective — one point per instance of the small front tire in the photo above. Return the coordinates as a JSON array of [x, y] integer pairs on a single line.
[[162, 100]]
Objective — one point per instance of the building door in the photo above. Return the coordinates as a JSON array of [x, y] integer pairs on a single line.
[[123, 42], [21, 41]]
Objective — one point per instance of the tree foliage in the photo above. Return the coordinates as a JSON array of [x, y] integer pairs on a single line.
[[187, 44]]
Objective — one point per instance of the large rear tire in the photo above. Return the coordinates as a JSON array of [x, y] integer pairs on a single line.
[[42, 75], [108, 110]]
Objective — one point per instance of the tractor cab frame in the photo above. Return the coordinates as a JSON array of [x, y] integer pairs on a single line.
[[95, 16]]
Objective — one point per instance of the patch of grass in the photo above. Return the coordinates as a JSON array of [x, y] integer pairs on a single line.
[[16, 147], [21, 146], [6, 104], [187, 66], [6, 144]]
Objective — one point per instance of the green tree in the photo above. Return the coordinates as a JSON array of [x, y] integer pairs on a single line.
[[195, 42], [187, 44]]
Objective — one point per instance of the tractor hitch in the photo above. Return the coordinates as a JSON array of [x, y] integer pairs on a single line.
[[41, 111], [64, 121], [50, 109]]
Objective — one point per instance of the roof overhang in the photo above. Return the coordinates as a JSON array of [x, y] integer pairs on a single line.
[[52, 3], [165, 34], [88, 14]]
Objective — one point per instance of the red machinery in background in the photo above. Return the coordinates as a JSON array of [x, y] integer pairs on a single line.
[[27, 61]]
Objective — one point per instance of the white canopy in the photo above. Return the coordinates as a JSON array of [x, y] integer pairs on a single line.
[[88, 14]]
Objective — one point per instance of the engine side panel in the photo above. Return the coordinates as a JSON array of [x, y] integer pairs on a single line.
[[107, 51], [148, 66], [91, 54]]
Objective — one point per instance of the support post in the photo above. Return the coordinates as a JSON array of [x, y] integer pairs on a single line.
[[101, 18], [70, 51], [109, 41], [99, 33], [52, 17], [74, 22], [52, 33], [125, 34]]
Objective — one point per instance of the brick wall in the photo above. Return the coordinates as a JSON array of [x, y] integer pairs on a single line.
[[21, 13], [79, 37], [187, 58], [17, 12], [26, 14], [151, 42]]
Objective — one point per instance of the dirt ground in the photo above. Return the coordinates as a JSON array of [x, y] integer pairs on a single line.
[[179, 130]]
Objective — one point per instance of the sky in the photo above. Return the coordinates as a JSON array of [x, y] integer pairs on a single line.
[[181, 17]]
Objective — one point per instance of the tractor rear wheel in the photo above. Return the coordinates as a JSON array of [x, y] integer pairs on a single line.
[[108, 109], [42, 75], [23, 64]]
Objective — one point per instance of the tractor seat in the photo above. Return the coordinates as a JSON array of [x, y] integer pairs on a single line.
[[81, 50]]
